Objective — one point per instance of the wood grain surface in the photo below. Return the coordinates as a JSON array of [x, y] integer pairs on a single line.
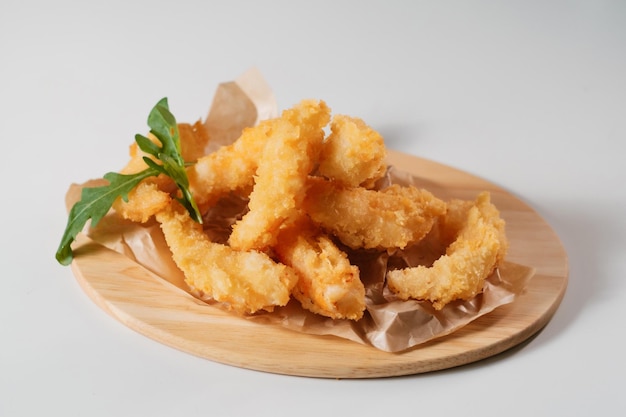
[[169, 315]]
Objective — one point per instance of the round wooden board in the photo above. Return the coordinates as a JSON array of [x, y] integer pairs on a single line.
[[157, 309]]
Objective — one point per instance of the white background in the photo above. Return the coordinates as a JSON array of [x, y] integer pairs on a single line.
[[530, 95]]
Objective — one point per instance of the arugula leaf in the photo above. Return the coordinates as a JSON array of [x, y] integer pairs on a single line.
[[95, 202]]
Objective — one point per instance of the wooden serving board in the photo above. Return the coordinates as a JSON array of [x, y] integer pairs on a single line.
[[167, 314]]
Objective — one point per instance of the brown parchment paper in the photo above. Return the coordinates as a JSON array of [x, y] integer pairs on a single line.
[[388, 324]]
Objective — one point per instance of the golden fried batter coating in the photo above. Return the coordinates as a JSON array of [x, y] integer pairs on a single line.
[[391, 218], [290, 154], [469, 260], [328, 284], [230, 168], [246, 281], [144, 201], [353, 154]]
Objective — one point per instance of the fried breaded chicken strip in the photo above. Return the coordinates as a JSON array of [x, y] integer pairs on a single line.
[[144, 201], [391, 218], [328, 284], [479, 246], [246, 281], [290, 154], [230, 168], [353, 154]]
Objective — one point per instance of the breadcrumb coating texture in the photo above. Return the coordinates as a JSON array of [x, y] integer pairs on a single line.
[[245, 281], [353, 154], [391, 218], [459, 274], [328, 284], [290, 154]]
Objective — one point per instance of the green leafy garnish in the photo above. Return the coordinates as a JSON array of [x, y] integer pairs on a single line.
[[95, 202]]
